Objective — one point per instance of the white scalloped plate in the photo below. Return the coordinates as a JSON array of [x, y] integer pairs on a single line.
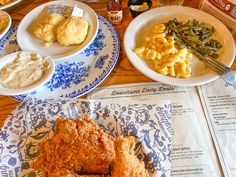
[[27, 40], [79, 74], [200, 74]]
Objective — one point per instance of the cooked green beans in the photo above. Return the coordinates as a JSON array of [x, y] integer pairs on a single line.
[[195, 36]]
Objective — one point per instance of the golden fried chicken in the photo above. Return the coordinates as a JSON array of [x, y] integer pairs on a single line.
[[67, 173], [90, 176], [127, 164], [62, 173], [3, 2], [78, 145]]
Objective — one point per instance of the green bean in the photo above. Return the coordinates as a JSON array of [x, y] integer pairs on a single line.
[[195, 52], [215, 55], [195, 39], [180, 44], [197, 28], [215, 43], [211, 48], [195, 36], [183, 28], [189, 32], [206, 35]]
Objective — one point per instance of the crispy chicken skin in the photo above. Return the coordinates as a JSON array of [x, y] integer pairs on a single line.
[[90, 176], [3, 2], [78, 145], [127, 164], [67, 173]]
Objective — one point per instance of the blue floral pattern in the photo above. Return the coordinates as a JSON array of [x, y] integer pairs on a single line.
[[67, 74], [8, 43], [34, 121], [101, 61], [96, 46], [81, 73]]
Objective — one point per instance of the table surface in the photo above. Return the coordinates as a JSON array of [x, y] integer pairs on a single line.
[[123, 73]]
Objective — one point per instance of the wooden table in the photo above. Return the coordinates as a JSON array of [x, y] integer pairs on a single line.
[[123, 73]]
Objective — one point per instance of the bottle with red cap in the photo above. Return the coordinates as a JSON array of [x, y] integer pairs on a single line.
[[115, 14]]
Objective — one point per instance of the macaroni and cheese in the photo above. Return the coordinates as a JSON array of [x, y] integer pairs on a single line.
[[166, 58]]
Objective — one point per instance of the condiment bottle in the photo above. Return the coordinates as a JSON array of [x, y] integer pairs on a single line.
[[115, 14]]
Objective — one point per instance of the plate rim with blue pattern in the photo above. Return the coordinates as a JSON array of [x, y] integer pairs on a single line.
[[105, 70]]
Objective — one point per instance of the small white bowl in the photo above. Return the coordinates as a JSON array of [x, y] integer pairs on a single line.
[[28, 41], [8, 25], [11, 57]]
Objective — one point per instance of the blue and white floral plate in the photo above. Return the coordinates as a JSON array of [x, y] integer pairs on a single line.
[[33, 121], [79, 74]]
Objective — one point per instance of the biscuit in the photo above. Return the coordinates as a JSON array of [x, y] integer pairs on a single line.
[[46, 28], [72, 30]]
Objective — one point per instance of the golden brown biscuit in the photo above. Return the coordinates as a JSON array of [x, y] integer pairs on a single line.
[[46, 28], [72, 30]]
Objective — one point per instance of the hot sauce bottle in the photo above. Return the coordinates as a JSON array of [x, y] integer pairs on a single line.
[[115, 14]]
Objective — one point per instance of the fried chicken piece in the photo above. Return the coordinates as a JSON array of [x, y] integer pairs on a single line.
[[62, 173], [67, 173], [3, 2], [127, 164], [90, 176], [78, 145]]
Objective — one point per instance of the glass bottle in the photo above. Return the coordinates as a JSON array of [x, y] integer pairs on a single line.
[[114, 9]]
